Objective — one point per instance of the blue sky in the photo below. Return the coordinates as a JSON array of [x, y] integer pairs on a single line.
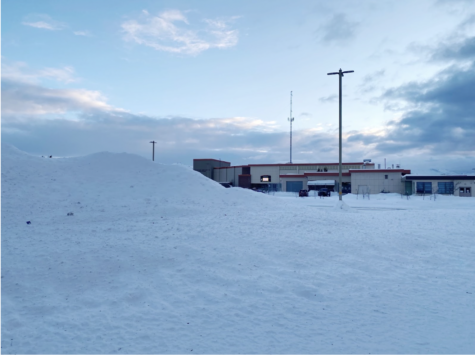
[[212, 79]]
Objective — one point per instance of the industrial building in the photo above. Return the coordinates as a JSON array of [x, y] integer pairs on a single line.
[[357, 178]]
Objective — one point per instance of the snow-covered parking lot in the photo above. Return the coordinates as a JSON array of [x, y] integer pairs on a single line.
[[159, 259]]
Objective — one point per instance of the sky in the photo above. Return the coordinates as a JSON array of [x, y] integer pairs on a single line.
[[213, 80]]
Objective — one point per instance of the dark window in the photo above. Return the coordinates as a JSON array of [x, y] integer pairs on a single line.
[[246, 170], [386, 177], [445, 187], [424, 187], [265, 178]]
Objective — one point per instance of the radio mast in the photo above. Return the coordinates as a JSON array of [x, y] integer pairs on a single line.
[[291, 119]]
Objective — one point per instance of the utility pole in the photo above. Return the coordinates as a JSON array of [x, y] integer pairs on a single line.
[[153, 150], [291, 119], [340, 74]]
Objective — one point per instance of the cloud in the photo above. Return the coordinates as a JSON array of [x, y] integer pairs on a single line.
[[468, 22], [20, 72], [338, 30], [370, 81], [329, 98], [459, 51], [170, 31], [438, 118], [82, 33], [44, 22], [20, 98]]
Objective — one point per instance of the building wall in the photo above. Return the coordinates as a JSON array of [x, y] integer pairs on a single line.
[[457, 185], [257, 171], [207, 166], [464, 183], [376, 182], [228, 175]]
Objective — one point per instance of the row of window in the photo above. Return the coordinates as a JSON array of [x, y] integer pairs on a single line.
[[442, 187]]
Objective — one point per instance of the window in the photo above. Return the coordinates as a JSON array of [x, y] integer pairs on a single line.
[[265, 178], [424, 187], [386, 177], [445, 187]]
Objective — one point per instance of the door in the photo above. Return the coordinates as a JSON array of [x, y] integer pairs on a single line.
[[465, 192], [294, 186]]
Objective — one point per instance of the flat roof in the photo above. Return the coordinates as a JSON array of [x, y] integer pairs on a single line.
[[232, 167], [439, 177], [222, 161]]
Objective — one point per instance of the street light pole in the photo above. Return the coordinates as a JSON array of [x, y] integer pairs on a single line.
[[291, 119], [153, 150], [340, 74]]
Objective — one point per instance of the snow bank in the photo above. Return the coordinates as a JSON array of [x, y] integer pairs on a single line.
[[159, 259]]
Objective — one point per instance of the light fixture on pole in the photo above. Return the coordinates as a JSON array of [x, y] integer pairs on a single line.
[[340, 74], [291, 119], [153, 150]]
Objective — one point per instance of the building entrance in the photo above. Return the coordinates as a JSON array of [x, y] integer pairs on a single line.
[[465, 192], [294, 186]]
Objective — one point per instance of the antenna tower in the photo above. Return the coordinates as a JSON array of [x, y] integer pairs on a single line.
[[291, 119]]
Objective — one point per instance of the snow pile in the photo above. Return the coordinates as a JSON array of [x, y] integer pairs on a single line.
[[160, 259], [341, 205]]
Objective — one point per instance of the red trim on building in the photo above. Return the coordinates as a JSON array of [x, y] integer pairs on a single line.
[[326, 174], [403, 171], [308, 164], [316, 174], [244, 175]]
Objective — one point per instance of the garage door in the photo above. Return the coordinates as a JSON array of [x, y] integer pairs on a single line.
[[294, 186]]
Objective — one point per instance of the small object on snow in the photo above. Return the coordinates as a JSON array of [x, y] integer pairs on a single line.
[[70, 214], [50, 156], [28, 222]]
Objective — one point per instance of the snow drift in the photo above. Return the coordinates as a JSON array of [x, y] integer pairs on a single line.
[[159, 259]]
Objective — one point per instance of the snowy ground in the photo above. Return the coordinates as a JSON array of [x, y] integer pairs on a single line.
[[159, 259]]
